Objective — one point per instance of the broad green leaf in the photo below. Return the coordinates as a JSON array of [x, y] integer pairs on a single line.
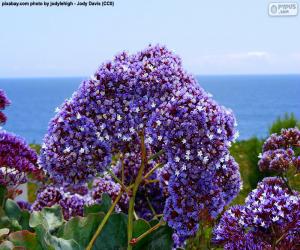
[[104, 206], [6, 245], [81, 229], [25, 239], [50, 217], [12, 210], [159, 239], [3, 232], [139, 227], [114, 234], [50, 242], [24, 220]]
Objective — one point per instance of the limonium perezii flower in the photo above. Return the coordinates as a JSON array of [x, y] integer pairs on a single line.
[[279, 151], [4, 102], [17, 160], [110, 187], [270, 219], [148, 94], [72, 204]]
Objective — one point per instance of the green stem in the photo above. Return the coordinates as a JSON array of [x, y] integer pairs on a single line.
[[154, 156], [151, 207], [118, 181], [103, 222], [286, 181], [152, 229], [137, 182], [159, 165]]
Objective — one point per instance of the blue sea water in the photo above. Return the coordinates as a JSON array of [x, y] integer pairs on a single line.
[[256, 100]]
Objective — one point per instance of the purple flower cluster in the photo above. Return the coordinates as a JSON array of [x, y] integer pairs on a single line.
[[270, 219], [279, 151], [4, 102], [72, 204], [17, 160], [149, 93], [108, 186]]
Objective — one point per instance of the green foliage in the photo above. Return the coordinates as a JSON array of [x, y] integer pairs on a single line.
[[96, 208], [159, 239], [81, 228], [287, 121]]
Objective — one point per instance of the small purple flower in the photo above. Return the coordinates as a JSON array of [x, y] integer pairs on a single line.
[[72, 204], [4, 102], [269, 218], [279, 151], [17, 160], [24, 205], [108, 186]]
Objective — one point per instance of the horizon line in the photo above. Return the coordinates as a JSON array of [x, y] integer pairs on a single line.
[[229, 74]]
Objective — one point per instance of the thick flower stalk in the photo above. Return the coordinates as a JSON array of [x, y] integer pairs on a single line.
[[4, 102], [17, 160], [150, 197], [148, 95], [280, 152], [270, 219]]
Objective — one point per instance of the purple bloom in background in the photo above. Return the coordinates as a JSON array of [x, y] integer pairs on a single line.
[[72, 204], [279, 151], [149, 93], [270, 219], [17, 160], [24, 205], [4, 102], [108, 186]]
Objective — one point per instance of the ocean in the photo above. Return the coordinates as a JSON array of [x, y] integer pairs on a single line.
[[256, 100]]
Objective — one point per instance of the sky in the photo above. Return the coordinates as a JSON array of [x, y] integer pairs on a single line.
[[212, 37]]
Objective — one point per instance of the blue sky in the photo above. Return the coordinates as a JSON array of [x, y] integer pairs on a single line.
[[212, 37]]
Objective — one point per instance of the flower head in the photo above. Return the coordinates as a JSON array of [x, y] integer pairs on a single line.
[[270, 214], [17, 160], [148, 94], [4, 102], [279, 151]]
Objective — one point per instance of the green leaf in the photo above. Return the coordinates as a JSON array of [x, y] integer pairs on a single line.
[[159, 239], [81, 229], [50, 217], [3, 191], [51, 242], [24, 220], [139, 227], [104, 206], [114, 234], [46, 221], [6, 245], [25, 239], [3, 232], [12, 210]]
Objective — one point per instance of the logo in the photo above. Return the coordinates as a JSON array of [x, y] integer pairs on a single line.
[[283, 9]]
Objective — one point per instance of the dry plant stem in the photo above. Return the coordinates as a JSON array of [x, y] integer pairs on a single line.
[[118, 181], [151, 208], [286, 182], [159, 165], [103, 222], [152, 229], [137, 182], [154, 156]]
